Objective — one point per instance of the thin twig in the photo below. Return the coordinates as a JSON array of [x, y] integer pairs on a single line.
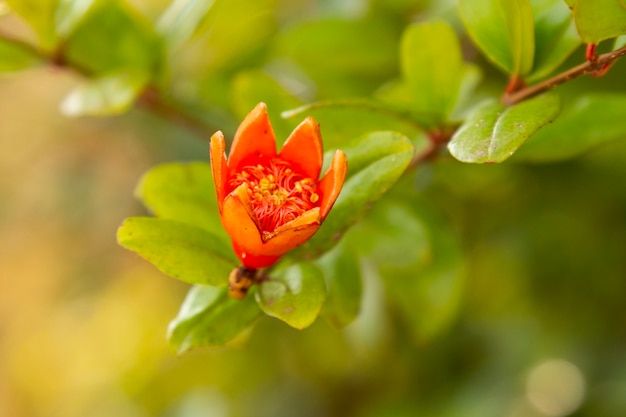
[[437, 138], [588, 67], [22, 44], [150, 99], [154, 102]]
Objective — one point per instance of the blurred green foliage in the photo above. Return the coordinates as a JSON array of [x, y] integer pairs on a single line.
[[456, 290]]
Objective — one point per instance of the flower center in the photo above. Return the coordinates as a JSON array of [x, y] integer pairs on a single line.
[[278, 194]]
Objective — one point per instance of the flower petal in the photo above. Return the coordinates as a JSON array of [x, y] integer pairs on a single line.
[[252, 261], [240, 224], [254, 140], [239, 220], [330, 186], [293, 234], [303, 148], [219, 166]]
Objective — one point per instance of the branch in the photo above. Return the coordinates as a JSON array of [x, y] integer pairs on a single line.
[[23, 44], [151, 99], [596, 67], [437, 138]]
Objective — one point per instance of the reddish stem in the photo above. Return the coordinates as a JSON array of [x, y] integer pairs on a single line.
[[598, 67], [590, 52], [515, 83]]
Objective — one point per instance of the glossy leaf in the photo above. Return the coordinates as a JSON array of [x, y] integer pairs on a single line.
[[113, 37], [432, 67], [39, 14], [375, 162], [494, 132], [209, 317], [182, 18], [70, 13], [342, 273], [597, 20], [184, 252], [105, 96], [294, 295], [182, 192], [15, 57], [555, 36], [503, 30], [343, 120], [520, 23], [585, 124]]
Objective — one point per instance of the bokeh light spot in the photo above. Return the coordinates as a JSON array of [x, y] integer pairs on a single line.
[[555, 388]]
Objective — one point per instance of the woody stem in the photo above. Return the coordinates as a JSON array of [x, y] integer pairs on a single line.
[[150, 99], [515, 93], [588, 67]]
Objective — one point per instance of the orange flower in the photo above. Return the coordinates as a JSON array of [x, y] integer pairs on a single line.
[[270, 202]]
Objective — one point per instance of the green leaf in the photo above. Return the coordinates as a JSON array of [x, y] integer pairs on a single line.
[[179, 250], [432, 67], [555, 37], [182, 19], [39, 14], [471, 78], [420, 261], [597, 20], [520, 23], [70, 13], [294, 295], [104, 96], [15, 57], [183, 192], [503, 30], [113, 37], [342, 273], [346, 45], [375, 162], [343, 120], [209, 317], [397, 99], [494, 132], [585, 124], [230, 36], [341, 56]]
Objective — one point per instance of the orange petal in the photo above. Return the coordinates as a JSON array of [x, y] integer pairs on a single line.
[[293, 234], [240, 224], [219, 166], [330, 186], [252, 261], [254, 140], [239, 220], [303, 148]]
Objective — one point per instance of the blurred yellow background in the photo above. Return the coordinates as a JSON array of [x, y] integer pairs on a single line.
[[539, 330]]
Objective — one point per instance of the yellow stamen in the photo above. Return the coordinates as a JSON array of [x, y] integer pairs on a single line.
[[278, 194]]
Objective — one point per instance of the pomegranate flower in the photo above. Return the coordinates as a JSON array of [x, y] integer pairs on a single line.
[[269, 202]]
